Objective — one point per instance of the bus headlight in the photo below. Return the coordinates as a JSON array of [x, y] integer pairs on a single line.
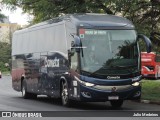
[[136, 84], [136, 78], [88, 84], [84, 83]]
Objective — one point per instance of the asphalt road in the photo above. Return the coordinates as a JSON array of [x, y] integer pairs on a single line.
[[11, 100]]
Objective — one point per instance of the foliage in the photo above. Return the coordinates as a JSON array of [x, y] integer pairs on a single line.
[[140, 12], [145, 14], [46, 9], [3, 68], [5, 51], [2, 17]]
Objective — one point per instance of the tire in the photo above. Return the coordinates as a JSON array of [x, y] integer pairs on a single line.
[[65, 95], [116, 103], [156, 76], [33, 96], [25, 94]]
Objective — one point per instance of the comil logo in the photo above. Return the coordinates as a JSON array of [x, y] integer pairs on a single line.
[[113, 77], [114, 89], [6, 114]]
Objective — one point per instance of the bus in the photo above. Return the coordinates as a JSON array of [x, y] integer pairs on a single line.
[[150, 65], [79, 57]]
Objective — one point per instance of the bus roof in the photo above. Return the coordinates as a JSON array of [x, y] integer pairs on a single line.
[[105, 20], [89, 20]]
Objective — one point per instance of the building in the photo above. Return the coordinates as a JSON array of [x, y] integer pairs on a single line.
[[6, 30]]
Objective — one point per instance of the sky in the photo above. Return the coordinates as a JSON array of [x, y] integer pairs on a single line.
[[16, 16]]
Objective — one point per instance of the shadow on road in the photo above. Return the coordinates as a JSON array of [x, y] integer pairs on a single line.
[[75, 104]]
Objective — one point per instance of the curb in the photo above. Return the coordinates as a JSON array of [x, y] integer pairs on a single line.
[[149, 102], [145, 101]]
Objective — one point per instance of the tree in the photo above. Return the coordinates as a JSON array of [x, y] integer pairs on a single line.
[[138, 11], [145, 14], [5, 56], [46, 9], [2, 17]]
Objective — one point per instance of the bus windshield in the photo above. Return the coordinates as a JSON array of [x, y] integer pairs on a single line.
[[109, 52]]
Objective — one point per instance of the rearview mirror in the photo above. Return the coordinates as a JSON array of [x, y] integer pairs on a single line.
[[147, 41], [76, 43]]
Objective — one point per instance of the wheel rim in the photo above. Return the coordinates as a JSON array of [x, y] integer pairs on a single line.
[[64, 94], [23, 91]]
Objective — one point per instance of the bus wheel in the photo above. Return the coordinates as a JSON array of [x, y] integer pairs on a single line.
[[65, 94], [25, 94], [156, 76], [116, 103]]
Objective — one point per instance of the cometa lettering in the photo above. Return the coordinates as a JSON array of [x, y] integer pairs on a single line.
[[52, 63]]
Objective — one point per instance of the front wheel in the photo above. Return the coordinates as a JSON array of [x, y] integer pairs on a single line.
[[116, 103], [65, 94]]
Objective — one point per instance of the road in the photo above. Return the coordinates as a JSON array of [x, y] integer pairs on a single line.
[[11, 100]]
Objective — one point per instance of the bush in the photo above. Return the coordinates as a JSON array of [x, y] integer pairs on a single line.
[[3, 68]]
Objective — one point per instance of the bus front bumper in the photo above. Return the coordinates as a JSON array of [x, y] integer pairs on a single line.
[[102, 93]]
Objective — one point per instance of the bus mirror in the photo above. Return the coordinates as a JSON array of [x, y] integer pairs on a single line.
[[147, 41], [77, 43]]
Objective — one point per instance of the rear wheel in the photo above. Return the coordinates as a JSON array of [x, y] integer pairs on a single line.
[[25, 94], [116, 103], [65, 94]]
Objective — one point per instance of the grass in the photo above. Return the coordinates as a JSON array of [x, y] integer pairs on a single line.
[[151, 90], [6, 73]]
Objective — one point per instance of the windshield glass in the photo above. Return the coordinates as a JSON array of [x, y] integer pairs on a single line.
[[109, 52]]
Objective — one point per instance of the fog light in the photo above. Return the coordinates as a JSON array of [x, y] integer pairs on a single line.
[[136, 84], [86, 94], [137, 94]]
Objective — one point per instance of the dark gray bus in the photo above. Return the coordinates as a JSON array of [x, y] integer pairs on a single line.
[[80, 57]]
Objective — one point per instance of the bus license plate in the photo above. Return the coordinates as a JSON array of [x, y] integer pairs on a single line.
[[113, 97]]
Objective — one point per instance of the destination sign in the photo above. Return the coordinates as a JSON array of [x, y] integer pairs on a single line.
[[95, 32], [83, 32]]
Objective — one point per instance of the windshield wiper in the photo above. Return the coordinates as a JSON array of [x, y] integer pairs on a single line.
[[93, 73], [118, 66], [128, 66]]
